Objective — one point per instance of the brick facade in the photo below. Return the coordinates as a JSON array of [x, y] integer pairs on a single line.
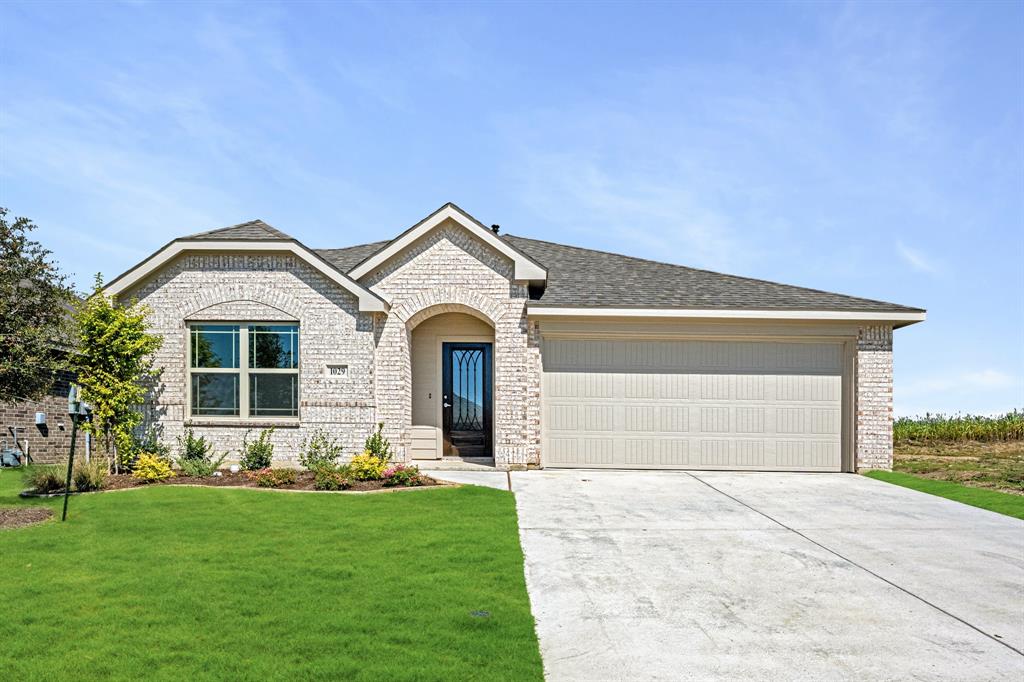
[[449, 270], [262, 287], [873, 435], [46, 444]]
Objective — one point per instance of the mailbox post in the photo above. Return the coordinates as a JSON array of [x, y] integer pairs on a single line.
[[76, 410]]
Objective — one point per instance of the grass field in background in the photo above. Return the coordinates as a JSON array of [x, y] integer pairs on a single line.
[[933, 428], [1003, 503], [200, 583], [979, 452]]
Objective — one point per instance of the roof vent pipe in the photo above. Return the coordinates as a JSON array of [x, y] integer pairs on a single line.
[[495, 228]]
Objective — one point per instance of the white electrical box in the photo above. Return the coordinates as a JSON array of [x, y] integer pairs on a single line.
[[40, 418]]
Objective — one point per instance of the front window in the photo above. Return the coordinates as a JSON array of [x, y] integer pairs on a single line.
[[244, 370]]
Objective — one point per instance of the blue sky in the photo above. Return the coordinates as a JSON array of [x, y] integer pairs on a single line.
[[871, 149]]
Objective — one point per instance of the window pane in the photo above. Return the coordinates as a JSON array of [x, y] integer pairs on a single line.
[[274, 395], [215, 395], [214, 345], [274, 346]]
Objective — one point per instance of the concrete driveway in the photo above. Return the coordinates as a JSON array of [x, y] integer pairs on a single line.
[[659, 575]]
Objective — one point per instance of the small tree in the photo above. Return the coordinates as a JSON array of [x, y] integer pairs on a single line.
[[114, 362], [34, 300]]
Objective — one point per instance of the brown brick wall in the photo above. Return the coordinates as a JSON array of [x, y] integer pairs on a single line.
[[48, 444]]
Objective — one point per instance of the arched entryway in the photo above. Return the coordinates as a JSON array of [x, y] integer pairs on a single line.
[[394, 366], [452, 406]]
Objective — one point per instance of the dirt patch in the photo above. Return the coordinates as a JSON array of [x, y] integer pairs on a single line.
[[994, 466], [304, 481], [17, 517]]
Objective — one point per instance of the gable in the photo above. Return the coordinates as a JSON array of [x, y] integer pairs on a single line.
[[273, 244], [446, 257], [524, 267]]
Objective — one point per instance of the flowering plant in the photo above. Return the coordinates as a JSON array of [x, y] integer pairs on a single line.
[[402, 475]]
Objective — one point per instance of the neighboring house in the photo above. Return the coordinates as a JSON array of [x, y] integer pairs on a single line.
[[47, 441], [50, 441], [465, 342]]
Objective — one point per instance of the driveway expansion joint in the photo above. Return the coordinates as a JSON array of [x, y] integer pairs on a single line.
[[938, 608]]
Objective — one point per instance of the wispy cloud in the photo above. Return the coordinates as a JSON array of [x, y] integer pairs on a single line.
[[916, 259]]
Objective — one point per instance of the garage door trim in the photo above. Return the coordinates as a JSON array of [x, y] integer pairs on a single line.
[[844, 371]]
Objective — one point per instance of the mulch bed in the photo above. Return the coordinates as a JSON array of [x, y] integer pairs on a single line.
[[16, 517], [304, 481]]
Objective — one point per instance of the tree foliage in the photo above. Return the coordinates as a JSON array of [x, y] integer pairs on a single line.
[[114, 364], [34, 300]]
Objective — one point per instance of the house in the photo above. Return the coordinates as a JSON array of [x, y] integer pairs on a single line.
[[465, 342], [41, 428]]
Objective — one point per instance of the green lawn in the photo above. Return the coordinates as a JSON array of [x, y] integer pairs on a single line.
[[182, 583], [1003, 503]]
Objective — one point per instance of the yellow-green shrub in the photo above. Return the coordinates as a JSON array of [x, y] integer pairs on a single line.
[[367, 467], [152, 468]]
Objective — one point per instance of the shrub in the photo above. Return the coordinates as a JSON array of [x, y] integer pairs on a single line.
[[402, 475], [259, 453], [89, 476], [192, 447], [330, 479], [367, 467], [377, 445], [148, 442], [318, 451], [150, 468], [201, 468], [196, 455], [47, 478], [272, 478]]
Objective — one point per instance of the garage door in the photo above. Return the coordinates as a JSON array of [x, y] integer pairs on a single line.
[[692, 405]]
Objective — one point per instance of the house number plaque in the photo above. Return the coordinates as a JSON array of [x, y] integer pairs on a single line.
[[337, 370]]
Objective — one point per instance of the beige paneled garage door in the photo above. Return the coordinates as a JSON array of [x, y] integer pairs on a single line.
[[692, 404]]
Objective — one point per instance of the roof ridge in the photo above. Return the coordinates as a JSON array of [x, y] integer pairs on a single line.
[[254, 223], [710, 272]]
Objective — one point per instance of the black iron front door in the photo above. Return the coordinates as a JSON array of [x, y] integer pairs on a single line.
[[466, 391]]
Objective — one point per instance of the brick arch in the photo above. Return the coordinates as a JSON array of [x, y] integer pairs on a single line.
[[208, 297], [394, 360], [426, 304]]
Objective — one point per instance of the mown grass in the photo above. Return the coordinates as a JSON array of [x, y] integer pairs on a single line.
[[200, 583], [1003, 503], [959, 428]]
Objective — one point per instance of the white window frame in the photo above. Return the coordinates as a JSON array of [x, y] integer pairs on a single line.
[[243, 371]]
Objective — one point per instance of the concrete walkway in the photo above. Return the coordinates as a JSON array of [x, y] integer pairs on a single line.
[[658, 575], [489, 479]]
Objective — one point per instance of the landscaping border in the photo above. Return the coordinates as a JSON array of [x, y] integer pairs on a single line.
[[440, 484]]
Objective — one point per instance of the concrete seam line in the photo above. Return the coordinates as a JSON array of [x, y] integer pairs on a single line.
[[863, 568]]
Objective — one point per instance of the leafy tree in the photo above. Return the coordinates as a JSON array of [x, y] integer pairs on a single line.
[[114, 365], [34, 301]]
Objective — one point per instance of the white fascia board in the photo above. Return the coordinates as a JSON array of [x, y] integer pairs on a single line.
[[906, 318], [368, 301], [525, 269]]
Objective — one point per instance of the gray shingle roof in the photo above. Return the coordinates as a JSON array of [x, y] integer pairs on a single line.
[[254, 230], [348, 258], [580, 277]]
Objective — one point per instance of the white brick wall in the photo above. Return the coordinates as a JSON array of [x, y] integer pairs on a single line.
[[446, 271], [874, 398], [265, 288], [449, 270]]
